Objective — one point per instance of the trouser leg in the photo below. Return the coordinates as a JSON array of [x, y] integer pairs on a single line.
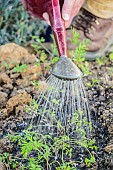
[[100, 8]]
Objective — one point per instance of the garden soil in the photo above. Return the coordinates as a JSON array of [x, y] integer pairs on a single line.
[[17, 91]]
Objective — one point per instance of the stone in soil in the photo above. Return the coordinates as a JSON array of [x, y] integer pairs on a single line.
[[3, 98], [109, 147]]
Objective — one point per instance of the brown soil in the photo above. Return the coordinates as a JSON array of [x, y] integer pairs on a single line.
[[15, 88]]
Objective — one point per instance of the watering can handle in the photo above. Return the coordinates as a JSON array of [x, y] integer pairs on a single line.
[[58, 26]]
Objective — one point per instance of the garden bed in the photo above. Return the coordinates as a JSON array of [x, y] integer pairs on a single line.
[[17, 90]]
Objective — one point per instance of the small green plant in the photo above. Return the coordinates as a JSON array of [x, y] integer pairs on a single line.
[[20, 68], [80, 47], [4, 156], [61, 143], [111, 57], [85, 68], [43, 57], [42, 50], [4, 63], [45, 147], [78, 54], [28, 143], [89, 161], [9, 159], [36, 83], [101, 61], [93, 82], [34, 164], [66, 166], [32, 107]]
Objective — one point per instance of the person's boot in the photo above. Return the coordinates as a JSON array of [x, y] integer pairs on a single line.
[[99, 31]]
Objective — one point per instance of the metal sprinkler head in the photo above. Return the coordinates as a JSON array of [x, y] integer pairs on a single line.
[[66, 69]]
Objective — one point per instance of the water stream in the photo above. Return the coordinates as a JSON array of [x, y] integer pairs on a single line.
[[62, 103]]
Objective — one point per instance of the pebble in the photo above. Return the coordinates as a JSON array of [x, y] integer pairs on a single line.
[[3, 97], [109, 148]]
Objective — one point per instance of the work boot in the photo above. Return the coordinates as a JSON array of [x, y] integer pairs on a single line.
[[99, 31]]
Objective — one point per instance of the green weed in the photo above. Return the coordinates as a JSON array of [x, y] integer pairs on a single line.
[[4, 63], [9, 160], [101, 61], [89, 161], [111, 57], [42, 51], [66, 166], [78, 54], [80, 47], [93, 82], [49, 151], [53, 150], [20, 68], [85, 67]]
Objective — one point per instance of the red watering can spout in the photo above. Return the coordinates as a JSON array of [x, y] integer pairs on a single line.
[[52, 7]]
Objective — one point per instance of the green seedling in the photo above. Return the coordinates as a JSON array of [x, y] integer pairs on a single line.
[[36, 83], [101, 61], [78, 54], [93, 82], [43, 57], [55, 101], [54, 60], [80, 47], [111, 57], [39, 47], [66, 166], [20, 68], [90, 161], [85, 68], [34, 164], [41, 50], [9, 160], [32, 107], [62, 143], [4, 63], [4, 156], [47, 147]]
